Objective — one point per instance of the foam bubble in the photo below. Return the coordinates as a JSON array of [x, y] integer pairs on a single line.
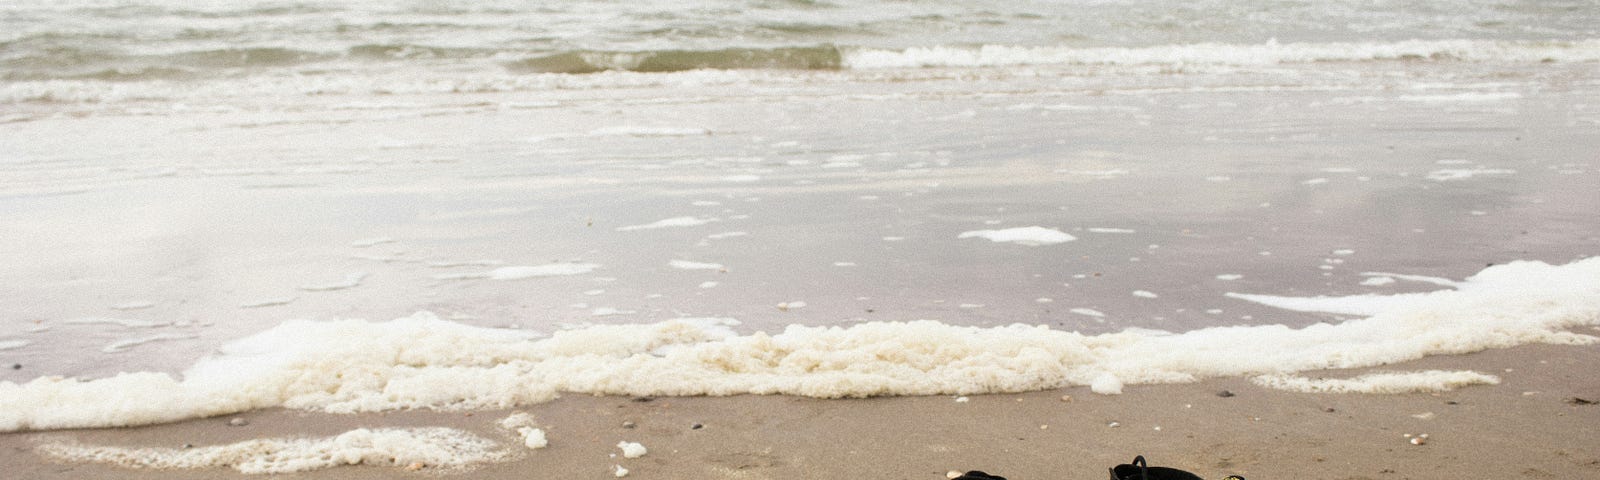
[[1396, 382], [432, 447], [422, 361], [13, 344], [1031, 236]]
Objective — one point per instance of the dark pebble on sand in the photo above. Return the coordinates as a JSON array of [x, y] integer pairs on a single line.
[[644, 399], [628, 425], [1581, 401], [696, 426], [16, 366], [1224, 394]]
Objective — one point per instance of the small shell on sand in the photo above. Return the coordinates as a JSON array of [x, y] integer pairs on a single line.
[[620, 472], [238, 422], [1066, 398], [952, 474], [414, 466]]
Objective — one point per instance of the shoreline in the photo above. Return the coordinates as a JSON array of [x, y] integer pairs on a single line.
[[1527, 424]]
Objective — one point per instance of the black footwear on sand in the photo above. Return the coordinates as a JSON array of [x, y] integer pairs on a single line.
[[1138, 470]]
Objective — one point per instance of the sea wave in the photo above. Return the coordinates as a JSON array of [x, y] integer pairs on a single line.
[[1229, 54], [423, 361], [28, 61]]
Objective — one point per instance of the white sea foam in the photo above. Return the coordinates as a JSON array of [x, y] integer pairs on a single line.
[[668, 222], [1031, 236], [632, 449], [350, 281], [13, 344], [519, 272], [1270, 53], [1364, 305], [1088, 312], [269, 302], [130, 323], [371, 242], [1395, 382], [422, 361], [1445, 282], [125, 344], [688, 265], [434, 447], [637, 131], [1449, 174], [1377, 281], [134, 305]]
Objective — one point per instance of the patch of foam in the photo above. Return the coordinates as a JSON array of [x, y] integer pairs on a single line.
[[520, 272], [114, 321], [1106, 384], [432, 447], [1144, 294], [125, 344], [465, 263], [636, 131], [708, 284], [610, 311], [1108, 230], [1377, 281], [668, 223], [1443, 282], [525, 427], [1229, 276], [422, 361], [723, 235], [350, 281], [270, 302], [1031, 236], [1363, 305], [1392, 382], [1449, 174], [1462, 97], [13, 344], [632, 449], [688, 265], [1088, 312], [1269, 53], [371, 242], [134, 305]]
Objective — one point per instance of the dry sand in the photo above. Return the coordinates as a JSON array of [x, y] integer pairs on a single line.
[[1527, 427]]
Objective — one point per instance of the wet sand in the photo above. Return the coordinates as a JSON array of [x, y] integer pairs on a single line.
[[1527, 427]]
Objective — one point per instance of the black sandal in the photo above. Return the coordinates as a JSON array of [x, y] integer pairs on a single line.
[[1138, 470]]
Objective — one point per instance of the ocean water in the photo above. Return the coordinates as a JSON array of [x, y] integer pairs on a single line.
[[224, 206]]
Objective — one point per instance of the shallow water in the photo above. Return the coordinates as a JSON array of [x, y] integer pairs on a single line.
[[245, 166]]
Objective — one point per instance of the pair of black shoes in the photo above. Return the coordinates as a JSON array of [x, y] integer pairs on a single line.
[[1137, 470]]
